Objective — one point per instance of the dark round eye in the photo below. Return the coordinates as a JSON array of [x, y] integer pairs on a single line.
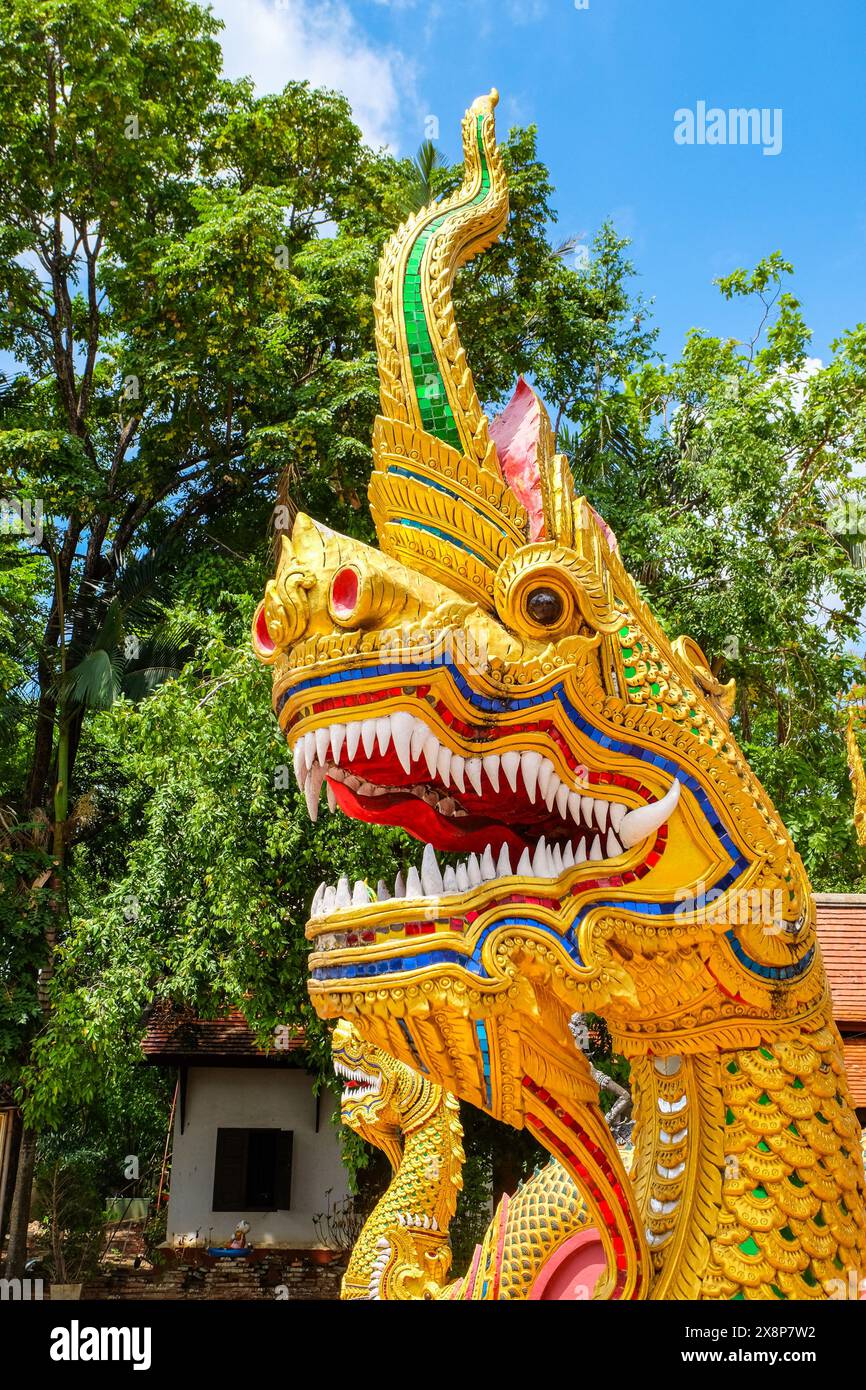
[[544, 606]]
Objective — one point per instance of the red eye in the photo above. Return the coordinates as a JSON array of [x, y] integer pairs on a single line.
[[344, 592]]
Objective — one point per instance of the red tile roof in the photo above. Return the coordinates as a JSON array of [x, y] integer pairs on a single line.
[[855, 1065], [841, 920], [176, 1034]]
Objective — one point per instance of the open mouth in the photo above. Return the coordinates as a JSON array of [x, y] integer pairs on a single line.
[[357, 1085], [506, 811]]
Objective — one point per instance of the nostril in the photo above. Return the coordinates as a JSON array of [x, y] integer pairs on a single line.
[[264, 640], [344, 592]]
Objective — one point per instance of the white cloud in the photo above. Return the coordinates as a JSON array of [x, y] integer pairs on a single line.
[[277, 41]]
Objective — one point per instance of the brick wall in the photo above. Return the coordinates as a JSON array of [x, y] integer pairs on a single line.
[[268, 1275]]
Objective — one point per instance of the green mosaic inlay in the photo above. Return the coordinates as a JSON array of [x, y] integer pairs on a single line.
[[437, 417], [750, 1246]]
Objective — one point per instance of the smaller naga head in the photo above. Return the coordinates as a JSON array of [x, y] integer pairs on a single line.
[[381, 1096]]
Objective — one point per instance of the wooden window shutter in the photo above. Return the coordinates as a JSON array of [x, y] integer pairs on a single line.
[[230, 1170], [284, 1170]]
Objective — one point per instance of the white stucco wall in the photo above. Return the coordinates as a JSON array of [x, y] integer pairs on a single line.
[[252, 1098]]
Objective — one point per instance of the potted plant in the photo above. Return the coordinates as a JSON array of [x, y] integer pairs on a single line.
[[338, 1228]]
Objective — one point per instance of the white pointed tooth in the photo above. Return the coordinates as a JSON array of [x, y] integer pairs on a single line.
[[545, 774], [402, 727], [503, 863], [462, 877], [568, 856], [300, 762], [443, 765], [338, 734], [488, 868], [449, 880], [556, 858], [312, 791], [562, 800], [318, 897], [473, 868], [310, 747], [353, 738], [524, 865], [383, 733], [414, 888], [636, 825], [574, 806], [399, 886], [344, 897], [473, 773], [368, 736], [601, 810], [490, 763], [612, 847], [615, 815], [431, 877], [420, 734], [431, 753], [587, 811], [360, 896], [540, 866], [511, 766], [552, 788], [434, 1223], [323, 740], [331, 795], [595, 850], [329, 902], [382, 892], [530, 766], [580, 853], [458, 771]]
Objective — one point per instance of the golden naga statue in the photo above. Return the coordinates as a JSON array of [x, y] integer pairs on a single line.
[[854, 726], [491, 680], [540, 1243]]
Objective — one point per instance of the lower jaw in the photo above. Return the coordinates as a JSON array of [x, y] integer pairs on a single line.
[[444, 924]]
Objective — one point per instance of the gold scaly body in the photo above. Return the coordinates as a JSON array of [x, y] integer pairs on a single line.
[[403, 1251]]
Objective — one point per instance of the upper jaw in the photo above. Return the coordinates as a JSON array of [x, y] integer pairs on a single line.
[[484, 789]]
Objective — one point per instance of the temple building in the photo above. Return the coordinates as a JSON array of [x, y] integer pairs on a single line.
[[252, 1140], [841, 919]]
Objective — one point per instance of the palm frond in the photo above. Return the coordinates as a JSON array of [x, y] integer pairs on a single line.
[[95, 681]]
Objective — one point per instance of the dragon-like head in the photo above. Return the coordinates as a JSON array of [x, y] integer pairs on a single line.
[[375, 1089], [490, 680]]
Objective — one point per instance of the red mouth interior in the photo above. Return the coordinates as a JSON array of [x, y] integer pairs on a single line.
[[498, 818]]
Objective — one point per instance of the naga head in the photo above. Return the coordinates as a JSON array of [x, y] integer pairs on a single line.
[[589, 834], [378, 1091]]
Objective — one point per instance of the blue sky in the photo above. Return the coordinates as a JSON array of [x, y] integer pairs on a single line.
[[602, 84]]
